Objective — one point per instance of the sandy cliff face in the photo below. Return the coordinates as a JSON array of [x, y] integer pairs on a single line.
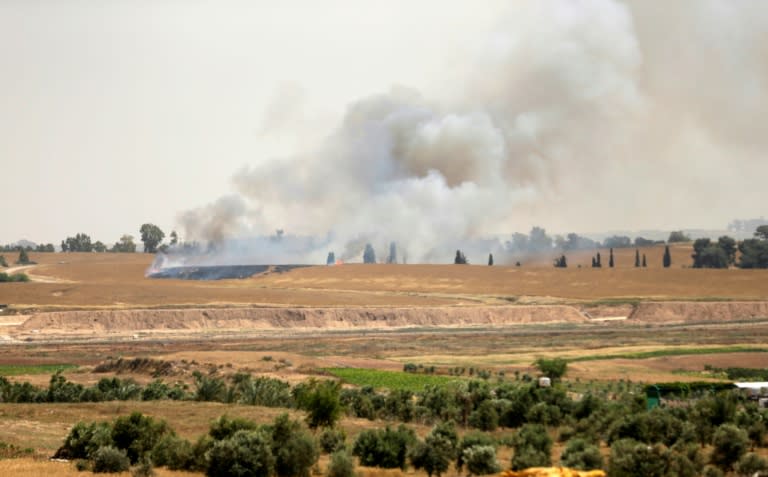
[[695, 312], [200, 319]]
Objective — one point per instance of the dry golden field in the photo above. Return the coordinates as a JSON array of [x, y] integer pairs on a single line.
[[600, 345], [83, 280]]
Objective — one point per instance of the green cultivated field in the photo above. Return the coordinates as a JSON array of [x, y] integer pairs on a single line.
[[395, 380]]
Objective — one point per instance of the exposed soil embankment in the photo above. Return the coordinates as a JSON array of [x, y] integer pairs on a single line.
[[255, 319], [696, 312]]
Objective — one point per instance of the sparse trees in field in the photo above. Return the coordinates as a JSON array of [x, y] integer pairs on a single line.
[[645, 262], [596, 261], [331, 258], [667, 262], [99, 247], [152, 236], [490, 259], [460, 259], [369, 255], [637, 258], [561, 262], [610, 259]]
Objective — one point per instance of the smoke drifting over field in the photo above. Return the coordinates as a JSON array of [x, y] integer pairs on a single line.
[[571, 114]]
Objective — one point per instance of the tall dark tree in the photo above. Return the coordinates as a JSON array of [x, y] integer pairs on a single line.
[[667, 257], [23, 257], [561, 262], [729, 246], [645, 264], [460, 259], [151, 235], [369, 256], [331, 258], [490, 259], [610, 259], [392, 258], [637, 258], [174, 238], [599, 261]]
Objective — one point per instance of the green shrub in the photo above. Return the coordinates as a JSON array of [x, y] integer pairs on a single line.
[[485, 417], [332, 440], [533, 447], [471, 440], [730, 443], [341, 464], [138, 434], [294, 449], [580, 454], [143, 468], [481, 460], [173, 452], [245, 453], [751, 464], [385, 448], [107, 459], [16, 277], [630, 458], [84, 440], [225, 427]]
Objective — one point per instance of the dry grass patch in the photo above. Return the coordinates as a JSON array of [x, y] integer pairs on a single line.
[[35, 468]]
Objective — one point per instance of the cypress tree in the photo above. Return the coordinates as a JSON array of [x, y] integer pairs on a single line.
[[599, 263], [610, 259], [637, 258], [667, 257], [490, 259], [645, 264]]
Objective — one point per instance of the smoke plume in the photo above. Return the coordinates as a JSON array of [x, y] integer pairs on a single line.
[[571, 114]]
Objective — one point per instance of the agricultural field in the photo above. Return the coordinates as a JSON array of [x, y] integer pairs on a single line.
[[610, 325]]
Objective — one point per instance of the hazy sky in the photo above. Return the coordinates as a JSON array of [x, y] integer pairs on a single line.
[[609, 115]]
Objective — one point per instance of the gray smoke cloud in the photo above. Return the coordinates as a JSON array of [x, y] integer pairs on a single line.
[[573, 114]]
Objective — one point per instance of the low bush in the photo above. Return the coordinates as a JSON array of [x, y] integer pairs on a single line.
[[108, 459]]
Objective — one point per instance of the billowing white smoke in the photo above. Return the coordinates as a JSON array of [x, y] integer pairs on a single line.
[[573, 114]]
